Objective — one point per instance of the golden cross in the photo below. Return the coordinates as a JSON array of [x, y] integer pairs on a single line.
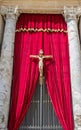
[[41, 57]]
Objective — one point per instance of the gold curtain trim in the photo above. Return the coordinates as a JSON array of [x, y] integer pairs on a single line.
[[40, 30]]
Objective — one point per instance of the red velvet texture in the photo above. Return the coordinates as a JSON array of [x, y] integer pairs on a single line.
[[56, 71]]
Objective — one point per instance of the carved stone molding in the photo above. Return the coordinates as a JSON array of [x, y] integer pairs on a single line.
[[72, 12], [10, 12]]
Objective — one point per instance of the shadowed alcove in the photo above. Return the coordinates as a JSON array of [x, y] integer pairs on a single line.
[[32, 118]]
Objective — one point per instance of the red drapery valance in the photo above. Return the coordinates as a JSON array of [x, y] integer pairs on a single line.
[[49, 33]]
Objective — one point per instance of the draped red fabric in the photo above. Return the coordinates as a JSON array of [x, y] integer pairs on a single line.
[[35, 32]]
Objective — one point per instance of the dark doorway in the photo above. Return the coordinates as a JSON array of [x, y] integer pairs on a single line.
[[32, 118]]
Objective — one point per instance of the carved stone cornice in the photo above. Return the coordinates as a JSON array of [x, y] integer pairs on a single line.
[[72, 12], [10, 12]]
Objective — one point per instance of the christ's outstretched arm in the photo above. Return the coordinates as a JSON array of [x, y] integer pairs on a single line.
[[34, 56], [48, 56]]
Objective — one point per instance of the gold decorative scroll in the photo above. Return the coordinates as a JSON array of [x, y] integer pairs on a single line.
[[40, 30]]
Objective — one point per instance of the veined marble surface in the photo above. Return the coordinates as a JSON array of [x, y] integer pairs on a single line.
[[6, 64], [75, 62]]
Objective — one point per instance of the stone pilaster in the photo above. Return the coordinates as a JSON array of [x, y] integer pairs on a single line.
[[71, 15], [6, 63]]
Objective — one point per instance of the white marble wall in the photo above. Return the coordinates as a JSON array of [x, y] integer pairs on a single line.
[[6, 63], [75, 61]]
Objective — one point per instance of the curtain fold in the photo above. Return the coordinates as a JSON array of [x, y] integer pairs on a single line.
[[35, 32], [57, 75]]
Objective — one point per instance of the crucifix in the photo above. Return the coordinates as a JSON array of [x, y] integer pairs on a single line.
[[41, 57]]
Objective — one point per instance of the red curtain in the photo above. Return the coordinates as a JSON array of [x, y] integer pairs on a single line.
[[35, 32]]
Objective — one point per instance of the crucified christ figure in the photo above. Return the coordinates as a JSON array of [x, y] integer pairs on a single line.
[[41, 57]]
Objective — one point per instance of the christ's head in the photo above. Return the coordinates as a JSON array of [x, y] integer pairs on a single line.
[[41, 53]]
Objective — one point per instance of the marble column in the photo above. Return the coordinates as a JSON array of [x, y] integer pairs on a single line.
[[1, 31], [70, 15], [6, 63]]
